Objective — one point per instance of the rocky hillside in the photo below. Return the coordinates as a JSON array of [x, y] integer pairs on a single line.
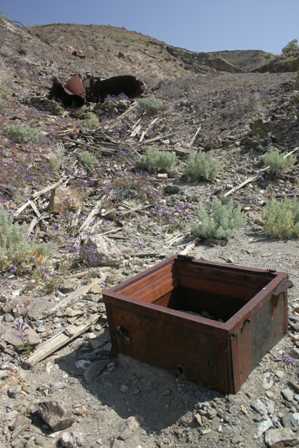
[[91, 195]]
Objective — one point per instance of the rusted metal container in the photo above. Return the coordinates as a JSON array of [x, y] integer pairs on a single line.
[[212, 322]]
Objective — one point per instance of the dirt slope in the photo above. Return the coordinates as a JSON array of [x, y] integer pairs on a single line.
[[144, 216]]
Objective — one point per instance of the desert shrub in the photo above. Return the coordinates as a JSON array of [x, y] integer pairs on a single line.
[[150, 106], [201, 166], [15, 250], [88, 160], [22, 134], [56, 159], [90, 121], [281, 219], [291, 48], [155, 161], [277, 162], [219, 221]]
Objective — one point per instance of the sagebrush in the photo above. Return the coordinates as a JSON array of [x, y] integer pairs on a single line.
[[22, 134], [90, 121], [15, 249], [150, 106], [278, 162], [220, 221], [88, 159], [155, 161], [201, 167], [281, 219]]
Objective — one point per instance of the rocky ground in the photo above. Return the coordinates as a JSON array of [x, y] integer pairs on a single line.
[[79, 395]]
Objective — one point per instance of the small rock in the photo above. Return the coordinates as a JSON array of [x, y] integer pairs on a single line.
[[96, 289], [279, 438], [70, 440], [263, 426], [129, 427], [54, 415], [20, 337], [198, 419], [260, 407], [294, 419], [14, 391], [97, 250], [64, 199], [124, 388], [287, 394], [68, 285], [211, 413]]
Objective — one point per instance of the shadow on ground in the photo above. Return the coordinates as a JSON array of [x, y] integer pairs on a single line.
[[156, 397]]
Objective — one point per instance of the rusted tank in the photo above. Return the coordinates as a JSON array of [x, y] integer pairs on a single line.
[[71, 94], [211, 322]]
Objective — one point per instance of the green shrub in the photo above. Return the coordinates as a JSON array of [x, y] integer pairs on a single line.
[[281, 219], [201, 166], [15, 249], [291, 48], [22, 134], [155, 161], [88, 159], [218, 222], [277, 162], [150, 106], [90, 121], [56, 159]]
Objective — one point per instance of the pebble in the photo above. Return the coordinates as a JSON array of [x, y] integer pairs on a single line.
[[294, 419], [259, 407], [70, 440], [287, 394], [124, 388], [13, 392], [54, 415], [282, 436], [263, 426]]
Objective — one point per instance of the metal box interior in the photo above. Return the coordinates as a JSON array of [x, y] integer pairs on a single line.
[[212, 322]]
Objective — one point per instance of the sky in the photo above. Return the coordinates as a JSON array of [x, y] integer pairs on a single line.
[[198, 25]]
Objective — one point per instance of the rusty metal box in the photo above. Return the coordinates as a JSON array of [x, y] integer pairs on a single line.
[[211, 322]]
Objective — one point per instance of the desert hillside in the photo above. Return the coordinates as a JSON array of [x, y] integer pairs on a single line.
[[201, 161]]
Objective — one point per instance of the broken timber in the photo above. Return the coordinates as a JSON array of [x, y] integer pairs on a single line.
[[256, 176], [58, 341]]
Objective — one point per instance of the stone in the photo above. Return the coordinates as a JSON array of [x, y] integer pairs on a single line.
[[64, 199], [54, 415], [294, 420], [97, 250], [260, 407], [14, 391], [263, 426], [128, 428], [40, 307], [70, 440], [287, 394], [20, 335], [279, 438]]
